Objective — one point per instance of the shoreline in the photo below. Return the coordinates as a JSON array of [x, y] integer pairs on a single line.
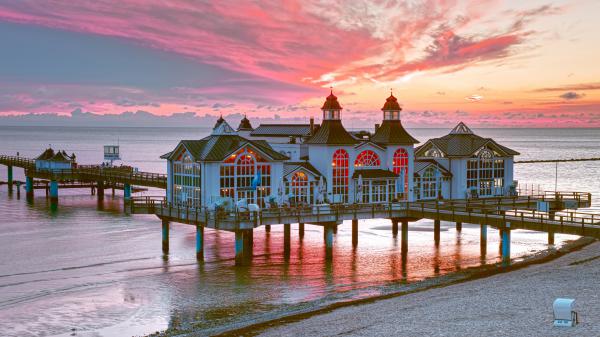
[[454, 278]]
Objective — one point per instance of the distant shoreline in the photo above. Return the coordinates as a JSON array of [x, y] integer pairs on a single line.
[[465, 275]]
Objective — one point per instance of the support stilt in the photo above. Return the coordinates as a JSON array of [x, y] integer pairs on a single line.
[[505, 246], [243, 247], [436, 231], [354, 232], [268, 228], [483, 239], [9, 170], [550, 237], [199, 242], [404, 241], [127, 192], [29, 187], [394, 227], [53, 192], [100, 190], [335, 228], [286, 239], [165, 236], [301, 230], [328, 233], [458, 226]]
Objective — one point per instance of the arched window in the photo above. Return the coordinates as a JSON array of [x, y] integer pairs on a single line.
[[340, 164], [367, 158], [430, 183], [186, 181], [237, 173], [300, 188], [399, 163], [433, 153], [485, 173]]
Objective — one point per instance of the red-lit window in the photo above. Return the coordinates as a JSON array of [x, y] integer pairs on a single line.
[[339, 165], [367, 158], [399, 163]]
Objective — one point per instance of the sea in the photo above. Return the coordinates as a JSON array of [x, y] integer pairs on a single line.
[[87, 269]]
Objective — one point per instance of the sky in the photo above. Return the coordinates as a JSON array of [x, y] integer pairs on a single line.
[[488, 63]]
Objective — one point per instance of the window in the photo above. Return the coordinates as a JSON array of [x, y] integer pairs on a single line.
[[433, 153], [430, 183], [339, 165], [186, 182], [485, 173], [237, 173], [367, 159], [300, 188], [399, 163]]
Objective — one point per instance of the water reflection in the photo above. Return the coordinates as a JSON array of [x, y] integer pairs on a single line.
[[91, 250]]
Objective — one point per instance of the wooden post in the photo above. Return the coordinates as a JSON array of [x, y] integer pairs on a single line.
[[550, 236], [404, 241], [286, 240], [29, 187], [354, 232], [100, 190], [483, 239], [53, 192], [165, 236], [328, 234], [458, 226], [243, 247], [394, 227], [301, 230], [505, 246], [199, 242], [268, 228], [9, 170], [436, 232]]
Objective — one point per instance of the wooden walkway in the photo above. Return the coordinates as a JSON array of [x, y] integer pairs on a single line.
[[500, 212], [95, 173]]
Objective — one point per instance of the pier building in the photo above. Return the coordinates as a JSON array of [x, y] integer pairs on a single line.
[[308, 164]]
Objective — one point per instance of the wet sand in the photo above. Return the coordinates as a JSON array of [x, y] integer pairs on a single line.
[[514, 303]]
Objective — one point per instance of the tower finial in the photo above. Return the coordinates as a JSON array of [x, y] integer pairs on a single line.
[[331, 89]]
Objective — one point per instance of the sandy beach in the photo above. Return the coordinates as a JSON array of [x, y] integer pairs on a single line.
[[517, 303]]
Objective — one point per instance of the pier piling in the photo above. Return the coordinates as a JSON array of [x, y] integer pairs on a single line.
[[199, 242], [9, 170], [286, 239], [404, 237], [550, 237], [29, 187], [394, 227], [505, 246], [126, 192], [100, 190], [328, 234], [243, 247], [268, 228], [54, 192], [436, 232], [458, 226], [165, 237], [483, 239], [301, 230], [354, 232]]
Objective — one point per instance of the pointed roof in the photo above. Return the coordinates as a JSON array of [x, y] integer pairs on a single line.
[[391, 104], [331, 103], [47, 154], [462, 142], [219, 147], [245, 124], [332, 132], [392, 132], [219, 121], [223, 128], [461, 129], [61, 156]]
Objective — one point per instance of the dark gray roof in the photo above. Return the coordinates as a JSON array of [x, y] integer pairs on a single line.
[[281, 130], [47, 154], [373, 173], [421, 164], [332, 132], [462, 145], [218, 147], [289, 167], [392, 132]]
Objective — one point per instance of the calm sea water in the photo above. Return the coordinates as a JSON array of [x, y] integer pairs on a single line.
[[90, 270]]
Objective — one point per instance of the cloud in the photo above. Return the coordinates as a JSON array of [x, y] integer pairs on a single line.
[[571, 95], [474, 98], [571, 87]]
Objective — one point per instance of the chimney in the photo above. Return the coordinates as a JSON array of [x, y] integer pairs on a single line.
[[312, 126], [376, 127]]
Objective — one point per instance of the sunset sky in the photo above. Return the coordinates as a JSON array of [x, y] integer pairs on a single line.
[[488, 63]]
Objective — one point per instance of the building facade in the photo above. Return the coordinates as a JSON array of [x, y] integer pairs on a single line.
[[306, 164]]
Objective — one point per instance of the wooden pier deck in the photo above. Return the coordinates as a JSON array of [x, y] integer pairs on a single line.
[[89, 173]]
